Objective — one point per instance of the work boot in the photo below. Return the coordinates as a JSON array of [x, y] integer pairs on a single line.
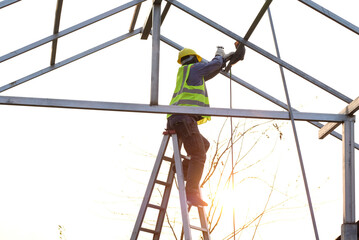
[[195, 170], [194, 174], [194, 198]]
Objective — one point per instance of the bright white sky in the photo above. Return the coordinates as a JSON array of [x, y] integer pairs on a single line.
[[87, 170]]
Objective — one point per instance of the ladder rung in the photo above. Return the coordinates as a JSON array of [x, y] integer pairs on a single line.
[[185, 157], [148, 230], [155, 206], [168, 185], [198, 228], [168, 159], [162, 182]]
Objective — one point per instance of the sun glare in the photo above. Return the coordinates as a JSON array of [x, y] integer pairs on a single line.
[[226, 197]]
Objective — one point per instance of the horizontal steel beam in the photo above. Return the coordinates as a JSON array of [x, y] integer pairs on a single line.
[[69, 30], [261, 51], [331, 15], [348, 110], [69, 60], [6, 3], [143, 108]]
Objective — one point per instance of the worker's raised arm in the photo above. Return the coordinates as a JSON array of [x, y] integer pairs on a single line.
[[209, 69]]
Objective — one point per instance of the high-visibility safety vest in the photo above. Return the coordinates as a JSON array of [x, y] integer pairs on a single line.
[[186, 95]]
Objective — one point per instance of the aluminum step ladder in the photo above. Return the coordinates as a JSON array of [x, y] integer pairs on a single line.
[[176, 161]]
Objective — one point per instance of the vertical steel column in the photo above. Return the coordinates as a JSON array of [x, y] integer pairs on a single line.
[[156, 23], [349, 228]]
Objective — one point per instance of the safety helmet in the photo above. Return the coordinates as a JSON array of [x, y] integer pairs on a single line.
[[186, 52]]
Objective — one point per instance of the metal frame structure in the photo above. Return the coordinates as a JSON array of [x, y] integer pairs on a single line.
[[152, 26]]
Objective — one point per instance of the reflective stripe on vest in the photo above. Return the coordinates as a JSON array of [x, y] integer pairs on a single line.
[[198, 91], [186, 95]]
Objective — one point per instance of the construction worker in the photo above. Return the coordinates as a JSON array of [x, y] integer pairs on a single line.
[[191, 91]]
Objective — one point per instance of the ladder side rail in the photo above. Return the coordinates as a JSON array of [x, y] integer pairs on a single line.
[[203, 219], [150, 187], [182, 191], [164, 203], [166, 194], [182, 232]]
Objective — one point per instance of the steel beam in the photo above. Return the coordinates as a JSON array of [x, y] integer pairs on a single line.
[[165, 109], [135, 16], [295, 133], [56, 30], [69, 60], [348, 110], [155, 71], [331, 15], [6, 3], [165, 11], [147, 26], [69, 30], [256, 90], [249, 32], [349, 228], [257, 19], [261, 51]]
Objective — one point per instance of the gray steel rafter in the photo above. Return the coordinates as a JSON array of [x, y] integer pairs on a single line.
[[69, 60], [69, 30], [331, 15], [6, 3]]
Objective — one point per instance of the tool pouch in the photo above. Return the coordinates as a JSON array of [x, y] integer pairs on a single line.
[[186, 127]]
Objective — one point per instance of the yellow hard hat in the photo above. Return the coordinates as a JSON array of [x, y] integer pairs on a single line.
[[186, 52]]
